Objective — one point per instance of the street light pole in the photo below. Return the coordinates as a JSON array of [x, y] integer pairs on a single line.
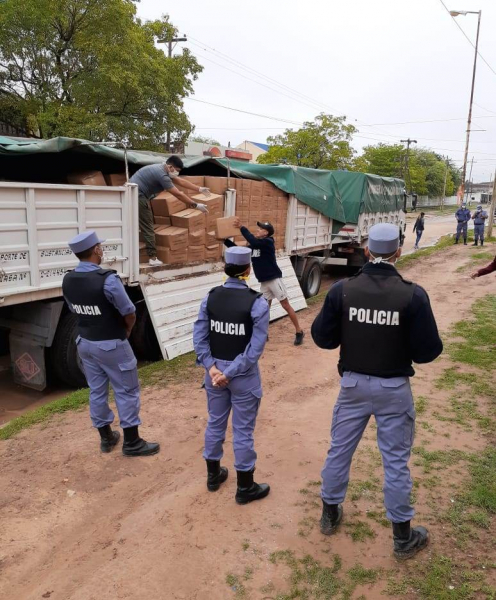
[[455, 13]]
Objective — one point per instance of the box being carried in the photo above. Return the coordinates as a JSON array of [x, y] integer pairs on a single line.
[[224, 228], [166, 205], [191, 219], [214, 202]]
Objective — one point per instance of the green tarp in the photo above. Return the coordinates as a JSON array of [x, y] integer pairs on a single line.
[[340, 195]]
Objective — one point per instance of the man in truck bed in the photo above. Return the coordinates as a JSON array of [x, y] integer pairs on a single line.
[[267, 271], [153, 179]]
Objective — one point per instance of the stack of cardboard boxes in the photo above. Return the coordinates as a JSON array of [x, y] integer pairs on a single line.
[[185, 235], [96, 178], [261, 201]]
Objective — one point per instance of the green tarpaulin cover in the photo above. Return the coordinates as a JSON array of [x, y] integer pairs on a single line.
[[340, 195]]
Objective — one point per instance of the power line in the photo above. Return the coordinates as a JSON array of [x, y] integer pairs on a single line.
[[434, 121], [466, 36]]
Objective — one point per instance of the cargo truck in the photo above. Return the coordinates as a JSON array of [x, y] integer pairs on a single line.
[[328, 218]]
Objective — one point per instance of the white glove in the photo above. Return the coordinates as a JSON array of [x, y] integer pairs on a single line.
[[205, 191], [202, 207]]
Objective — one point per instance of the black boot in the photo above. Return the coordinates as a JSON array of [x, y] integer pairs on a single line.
[[136, 446], [475, 243], [482, 242], [407, 541], [464, 242], [108, 437], [248, 490], [332, 515], [456, 241], [216, 475]]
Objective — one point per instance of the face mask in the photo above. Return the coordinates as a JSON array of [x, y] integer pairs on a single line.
[[172, 173]]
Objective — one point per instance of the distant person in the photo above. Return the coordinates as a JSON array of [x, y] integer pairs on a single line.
[[491, 267], [462, 217], [414, 202], [153, 179], [267, 271], [479, 218], [419, 228]]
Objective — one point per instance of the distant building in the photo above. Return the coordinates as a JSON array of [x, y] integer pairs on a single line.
[[254, 148], [217, 151]]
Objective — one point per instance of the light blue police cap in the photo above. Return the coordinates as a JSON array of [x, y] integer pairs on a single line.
[[479, 207], [384, 238], [84, 241], [238, 255]]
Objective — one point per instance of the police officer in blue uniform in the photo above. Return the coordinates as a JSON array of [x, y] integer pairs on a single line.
[[106, 316], [462, 217], [382, 323], [229, 338], [479, 218]]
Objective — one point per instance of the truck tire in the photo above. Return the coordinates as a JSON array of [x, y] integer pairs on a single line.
[[143, 338], [64, 359], [311, 278]]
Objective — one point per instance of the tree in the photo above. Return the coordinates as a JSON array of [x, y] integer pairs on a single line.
[[201, 139], [426, 168], [90, 69], [320, 144]]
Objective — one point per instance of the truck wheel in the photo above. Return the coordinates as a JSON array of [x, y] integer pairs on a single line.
[[311, 278], [64, 359], [143, 338]]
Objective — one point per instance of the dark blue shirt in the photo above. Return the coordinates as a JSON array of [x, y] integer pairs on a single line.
[[263, 256], [424, 342]]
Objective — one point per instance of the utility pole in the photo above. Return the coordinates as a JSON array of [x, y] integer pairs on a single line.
[[408, 142], [470, 178], [170, 48], [492, 208], [445, 179]]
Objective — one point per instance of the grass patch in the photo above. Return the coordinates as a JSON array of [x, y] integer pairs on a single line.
[[476, 259], [420, 405], [158, 374], [360, 575], [360, 531], [437, 459], [477, 383], [320, 297], [378, 517], [478, 347], [357, 489], [234, 583], [443, 243]]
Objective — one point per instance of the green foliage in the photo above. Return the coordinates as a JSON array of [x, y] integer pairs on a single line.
[[201, 139], [90, 69], [359, 531], [427, 169], [320, 144], [420, 405]]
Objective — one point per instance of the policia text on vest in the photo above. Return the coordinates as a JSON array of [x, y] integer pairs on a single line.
[[376, 317]]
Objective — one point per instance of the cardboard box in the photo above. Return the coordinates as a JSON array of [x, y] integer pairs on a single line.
[[243, 215], [197, 238], [268, 203], [86, 178], [174, 238], [266, 215], [210, 239], [196, 253], [190, 219], [166, 205], [243, 204], [214, 202], [245, 187], [162, 221], [256, 203], [224, 228], [198, 180], [270, 189], [217, 185], [213, 252], [155, 229], [257, 188], [171, 257], [282, 202], [211, 220], [115, 179]]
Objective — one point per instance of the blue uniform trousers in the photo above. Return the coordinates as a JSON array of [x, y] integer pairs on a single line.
[[391, 402], [461, 228], [242, 396], [111, 361], [479, 232]]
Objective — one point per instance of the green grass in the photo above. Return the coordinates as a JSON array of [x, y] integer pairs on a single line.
[[443, 243], [320, 297], [234, 583], [378, 517], [420, 405], [478, 384], [357, 489], [360, 575], [158, 374], [476, 259], [477, 347], [360, 531], [437, 459]]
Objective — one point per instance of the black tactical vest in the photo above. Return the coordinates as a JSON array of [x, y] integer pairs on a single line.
[[374, 327], [98, 319], [231, 325]]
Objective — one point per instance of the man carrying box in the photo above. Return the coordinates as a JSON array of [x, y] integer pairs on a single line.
[[152, 180], [267, 271]]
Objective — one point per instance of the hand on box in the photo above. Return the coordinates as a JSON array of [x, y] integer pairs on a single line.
[[205, 191], [202, 207], [237, 222]]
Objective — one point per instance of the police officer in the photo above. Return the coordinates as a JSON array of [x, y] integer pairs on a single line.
[[229, 338], [382, 323], [105, 317], [462, 217], [479, 218]]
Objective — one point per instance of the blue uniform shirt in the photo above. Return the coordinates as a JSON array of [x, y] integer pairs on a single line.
[[151, 180], [113, 289], [479, 217], [240, 365], [463, 215]]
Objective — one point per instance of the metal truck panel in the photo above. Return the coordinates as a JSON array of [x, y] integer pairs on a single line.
[[36, 222], [174, 304]]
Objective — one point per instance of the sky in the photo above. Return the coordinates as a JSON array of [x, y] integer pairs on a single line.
[[385, 64]]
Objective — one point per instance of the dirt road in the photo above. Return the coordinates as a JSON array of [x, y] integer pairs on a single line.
[[79, 525]]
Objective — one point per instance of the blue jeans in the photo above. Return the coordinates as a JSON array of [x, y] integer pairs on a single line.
[[419, 235]]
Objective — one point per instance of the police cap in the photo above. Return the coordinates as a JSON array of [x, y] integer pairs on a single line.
[[238, 255], [84, 241], [384, 238]]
